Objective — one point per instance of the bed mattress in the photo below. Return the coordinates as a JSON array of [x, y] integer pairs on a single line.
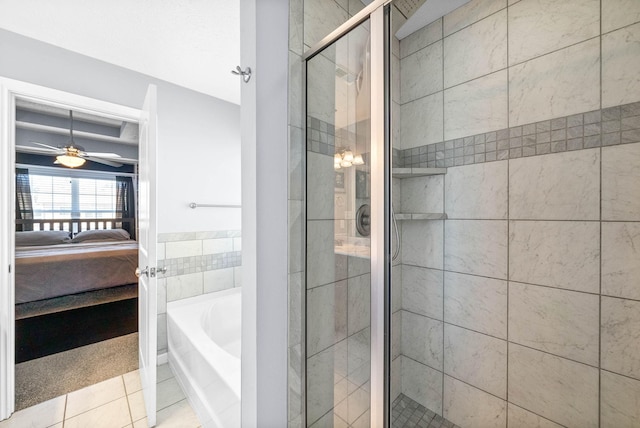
[[50, 271]]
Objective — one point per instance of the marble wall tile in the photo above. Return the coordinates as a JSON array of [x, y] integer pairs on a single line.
[[320, 383], [422, 243], [476, 359], [396, 76], [295, 311], [621, 260], [320, 186], [237, 276], [217, 280], [469, 407], [563, 391], [295, 91], [423, 37], [620, 51], [422, 339], [396, 378], [359, 358], [421, 73], [162, 295], [477, 247], [537, 27], [521, 418], [396, 287], [421, 121], [422, 384], [476, 303], [326, 316], [620, 336], [396, 334], [619, 398], [177, 249], [321, 17], [619, 13], [621, 182], [161, 333], [183, 286], [561, 322], [476, 50], [296, 230], [321, 86], [422, 195], [320, 253], [468, 188], [296, 146], [555, 253], [296, 26], [477, 106], [471, 12], [559, 84], [543, 188], [422, 291], [215, 246], [359, 303]]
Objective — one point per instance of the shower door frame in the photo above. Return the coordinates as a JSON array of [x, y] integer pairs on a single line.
[[378, 13]]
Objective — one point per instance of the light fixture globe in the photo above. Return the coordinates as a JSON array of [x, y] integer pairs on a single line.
[[70, 160]]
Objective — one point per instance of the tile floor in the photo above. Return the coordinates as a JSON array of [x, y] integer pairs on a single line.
[[113, 403], [407, 413]]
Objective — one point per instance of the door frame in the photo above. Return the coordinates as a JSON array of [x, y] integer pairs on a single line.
[[10, 90]]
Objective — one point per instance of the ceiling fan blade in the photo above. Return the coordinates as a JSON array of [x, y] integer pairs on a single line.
[[57, 149], [33, 149], [103, 161], [102, 155]]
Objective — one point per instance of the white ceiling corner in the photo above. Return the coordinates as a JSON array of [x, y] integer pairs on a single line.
[[194, 43]]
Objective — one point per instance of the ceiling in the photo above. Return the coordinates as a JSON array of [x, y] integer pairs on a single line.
[[191, 43]]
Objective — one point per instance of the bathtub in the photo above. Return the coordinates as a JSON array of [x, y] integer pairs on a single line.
[[204, 354]]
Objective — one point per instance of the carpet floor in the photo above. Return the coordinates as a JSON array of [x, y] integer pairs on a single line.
[[48, 377]]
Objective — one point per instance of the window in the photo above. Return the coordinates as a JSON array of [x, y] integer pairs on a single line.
[[60, 197]]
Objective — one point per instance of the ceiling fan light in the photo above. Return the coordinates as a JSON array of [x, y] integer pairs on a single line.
[[348, 156], [70, 161], [357, 160]]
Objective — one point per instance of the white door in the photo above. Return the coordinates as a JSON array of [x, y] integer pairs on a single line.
[[147, 260]]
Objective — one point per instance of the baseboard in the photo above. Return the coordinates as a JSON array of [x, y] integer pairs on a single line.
[[163, 358]]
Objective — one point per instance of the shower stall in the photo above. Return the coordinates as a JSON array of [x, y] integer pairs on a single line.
[[465, 215]]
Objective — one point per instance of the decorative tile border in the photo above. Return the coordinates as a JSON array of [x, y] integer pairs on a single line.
[[599, 128], [195, 264], [190, 263]]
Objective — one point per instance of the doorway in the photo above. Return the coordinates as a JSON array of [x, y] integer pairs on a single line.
[[76, 250], [14, 93]]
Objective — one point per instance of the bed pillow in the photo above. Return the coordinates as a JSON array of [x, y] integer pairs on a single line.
[[101, 235], [42, 237]]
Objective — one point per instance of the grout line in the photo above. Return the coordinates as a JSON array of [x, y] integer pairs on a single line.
[[64, 414], [444, 240], [508, 214], [126, 395]]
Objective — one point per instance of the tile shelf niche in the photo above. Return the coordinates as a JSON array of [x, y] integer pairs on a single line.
[[413, 173]]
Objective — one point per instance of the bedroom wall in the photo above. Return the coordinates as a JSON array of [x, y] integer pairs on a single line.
[[198, 135]]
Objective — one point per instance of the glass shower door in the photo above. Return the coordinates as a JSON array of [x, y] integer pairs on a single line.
[[338, 232]]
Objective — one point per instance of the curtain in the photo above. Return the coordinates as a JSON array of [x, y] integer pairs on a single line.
[[126, 204], [24, 203]]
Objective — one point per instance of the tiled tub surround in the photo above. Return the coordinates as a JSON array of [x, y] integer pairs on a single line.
[[197, 263]]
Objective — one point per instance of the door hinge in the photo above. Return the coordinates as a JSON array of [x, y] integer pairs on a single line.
[[9, 268], [152, 272]]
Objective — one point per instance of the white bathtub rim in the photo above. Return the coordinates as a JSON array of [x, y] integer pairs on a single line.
[[226, 365]]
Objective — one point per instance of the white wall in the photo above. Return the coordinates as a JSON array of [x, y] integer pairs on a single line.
[[198, 135]]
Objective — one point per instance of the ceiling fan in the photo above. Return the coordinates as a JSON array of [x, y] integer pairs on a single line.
[[73, 155]]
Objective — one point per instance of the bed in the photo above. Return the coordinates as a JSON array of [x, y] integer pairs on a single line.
[[51, 263]]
